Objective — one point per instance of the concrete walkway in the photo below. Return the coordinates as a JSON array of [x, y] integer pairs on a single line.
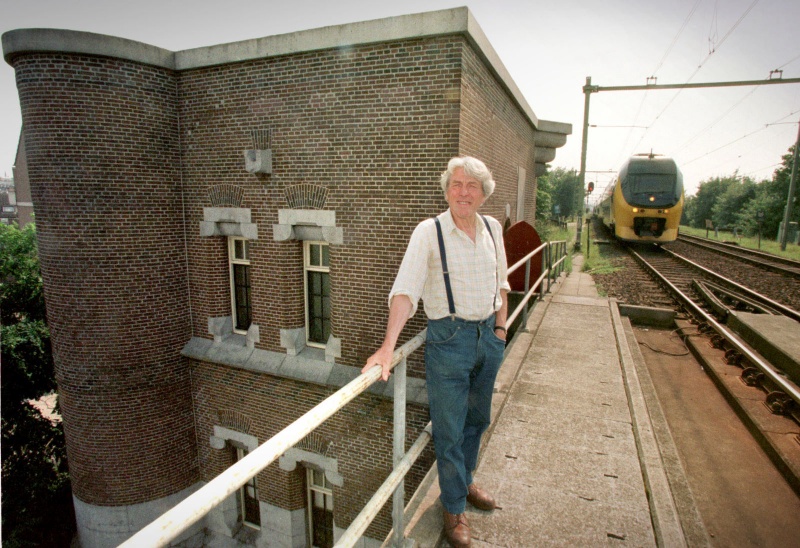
[[571, 455]]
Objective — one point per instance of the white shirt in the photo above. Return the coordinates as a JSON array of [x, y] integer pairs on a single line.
[[478, 270]]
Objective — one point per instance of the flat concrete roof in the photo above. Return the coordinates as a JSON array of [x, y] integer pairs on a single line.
[[422, 25]]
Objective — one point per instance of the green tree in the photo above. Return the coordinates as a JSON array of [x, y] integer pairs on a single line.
[[544, 200], [769, 206], [728, 205], [36, 496], [565, 190], [770, 201], [701, 206], [780, 185]]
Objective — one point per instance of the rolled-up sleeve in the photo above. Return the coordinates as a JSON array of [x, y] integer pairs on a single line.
[[413, 273]]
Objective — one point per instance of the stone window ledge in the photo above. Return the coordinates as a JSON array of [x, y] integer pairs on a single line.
[[307, 224], [228, 221], [222, 330], [309, 366]]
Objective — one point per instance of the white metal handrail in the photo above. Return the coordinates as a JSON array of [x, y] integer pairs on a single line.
[[546, 273], [189, 511]]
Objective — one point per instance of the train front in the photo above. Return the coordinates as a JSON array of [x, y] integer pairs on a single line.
[[648, 200]]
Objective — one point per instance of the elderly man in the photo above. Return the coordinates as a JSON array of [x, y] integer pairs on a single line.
[[457, 264]]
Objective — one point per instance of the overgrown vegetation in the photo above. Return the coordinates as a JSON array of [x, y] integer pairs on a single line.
[[599, 261], [36, 495]]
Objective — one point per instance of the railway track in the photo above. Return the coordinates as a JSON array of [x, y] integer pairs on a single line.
[[709, 299], [766, 261], [712, 295]]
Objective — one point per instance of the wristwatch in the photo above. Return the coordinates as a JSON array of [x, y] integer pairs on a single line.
[[501, 328]]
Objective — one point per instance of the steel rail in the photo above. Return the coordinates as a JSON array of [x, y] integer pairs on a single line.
[[735, 247], [527, 258], [750, 256], [788, 387], [783, 309]]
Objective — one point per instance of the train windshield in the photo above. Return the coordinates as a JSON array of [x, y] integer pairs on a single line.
[[652, 189]]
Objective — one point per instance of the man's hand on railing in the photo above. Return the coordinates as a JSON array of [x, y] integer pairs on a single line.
[[399, 312], [382, 357]]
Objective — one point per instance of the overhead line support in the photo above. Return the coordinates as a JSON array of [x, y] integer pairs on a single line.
[[588, 89]]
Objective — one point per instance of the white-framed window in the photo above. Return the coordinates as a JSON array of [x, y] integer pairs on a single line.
[[239, 259], [247, 498], [319, 496], [316, 259]]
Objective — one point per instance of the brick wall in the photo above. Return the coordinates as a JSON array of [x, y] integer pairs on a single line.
[[374, 124], [101, 142], [120, 152], [494, 129], [359, 437]]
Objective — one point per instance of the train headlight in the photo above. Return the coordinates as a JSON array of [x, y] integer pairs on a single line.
[[636, 210]]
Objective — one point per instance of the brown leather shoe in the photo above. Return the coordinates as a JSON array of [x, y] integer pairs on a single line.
[[479, 498], [456, 529]]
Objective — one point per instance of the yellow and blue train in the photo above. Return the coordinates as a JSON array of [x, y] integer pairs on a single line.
[[645, 201]]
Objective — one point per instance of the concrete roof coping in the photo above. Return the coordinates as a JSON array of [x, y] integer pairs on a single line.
[[20, 41], [554, 127], [435, 23]]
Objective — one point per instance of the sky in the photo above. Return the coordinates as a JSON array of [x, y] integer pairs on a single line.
[[549, 48]]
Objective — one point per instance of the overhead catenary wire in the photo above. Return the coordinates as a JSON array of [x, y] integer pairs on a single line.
[[711, 52], [716, 121], [789, 62], [675, 39], [653, 74], [776, 122]]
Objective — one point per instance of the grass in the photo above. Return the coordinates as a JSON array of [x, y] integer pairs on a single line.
[[556, 234], [770, 246], [599, 262]]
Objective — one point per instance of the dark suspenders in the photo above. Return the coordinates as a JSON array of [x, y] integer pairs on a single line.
[[451, 305]]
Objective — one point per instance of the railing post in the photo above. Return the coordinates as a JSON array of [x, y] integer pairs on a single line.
[[527, 287], [546, 269], [399, 450]]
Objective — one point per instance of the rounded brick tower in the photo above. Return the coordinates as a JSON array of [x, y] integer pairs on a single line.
[[102, 137]]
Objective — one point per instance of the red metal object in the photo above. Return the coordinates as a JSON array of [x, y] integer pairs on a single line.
[[520, 239]]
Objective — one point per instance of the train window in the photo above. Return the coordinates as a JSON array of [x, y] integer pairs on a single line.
[[650, 183], [652, 190]]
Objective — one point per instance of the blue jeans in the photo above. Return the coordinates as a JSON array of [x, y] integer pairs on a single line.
[[461, 363]]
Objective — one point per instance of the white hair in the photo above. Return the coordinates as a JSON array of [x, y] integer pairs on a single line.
[[472, 167]]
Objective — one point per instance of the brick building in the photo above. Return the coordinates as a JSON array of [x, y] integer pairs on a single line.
[[8, 202], [218, 231], [22, 186]]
